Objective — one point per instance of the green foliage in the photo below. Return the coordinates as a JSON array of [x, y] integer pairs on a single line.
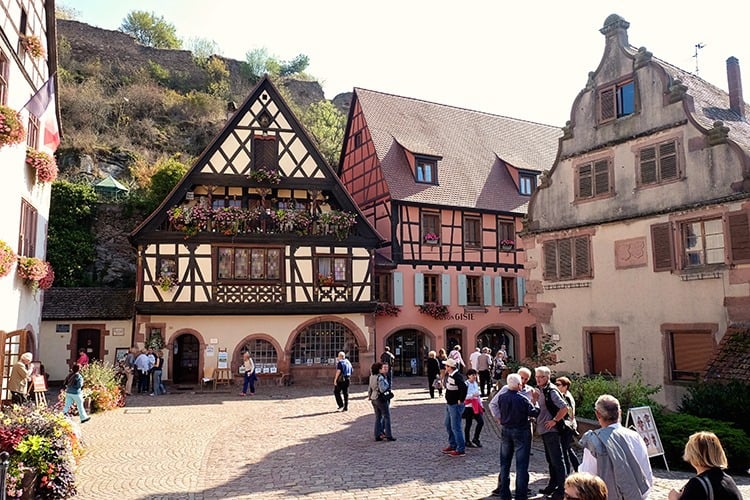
[[158, 72], [101, 384], [258, 62], [676, 428], [326, 123], [546, 354], [151, 30], [203, 48], [66, 12], [587, 388], [719, 400], [218, 76], [70, 243], [297, 65], [168, 173]]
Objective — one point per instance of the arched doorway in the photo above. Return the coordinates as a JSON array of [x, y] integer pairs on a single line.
[[185, 359], [496, 337], [410, 349]]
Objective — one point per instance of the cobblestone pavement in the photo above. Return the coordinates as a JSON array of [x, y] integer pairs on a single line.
[[289, 442]]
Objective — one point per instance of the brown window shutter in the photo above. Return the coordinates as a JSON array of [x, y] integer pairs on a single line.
[[648, 165], [691, 351], [564, 248], [607, 108], [265, 152], [585, 181], [662, 246], [739, 237], [668, 160], [603, 352], [583, 261], [550, 260], [601, 177]]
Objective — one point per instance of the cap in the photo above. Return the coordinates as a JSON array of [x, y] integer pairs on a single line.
[[450, 362]]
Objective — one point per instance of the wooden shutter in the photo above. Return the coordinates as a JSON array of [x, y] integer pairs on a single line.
[[565, 258], [445, 289], [550, 260], [691, 351], [739, 237], [662, 247], [607, 107], [487, 290], [498, 290], [398, 288], [265, 152], [27, 230], [601, 177], [418, 289], [648, 165], [603, 352], [668, 161], [462, 290], [521, 289], [582, 257], [585, 181]]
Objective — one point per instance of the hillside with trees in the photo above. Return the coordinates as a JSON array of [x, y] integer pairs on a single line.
[[136, 106]]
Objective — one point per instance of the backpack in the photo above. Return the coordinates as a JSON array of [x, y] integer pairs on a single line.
[[564, 424]]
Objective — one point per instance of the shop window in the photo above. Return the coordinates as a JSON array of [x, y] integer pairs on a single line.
[[263, 354], [320, 343]]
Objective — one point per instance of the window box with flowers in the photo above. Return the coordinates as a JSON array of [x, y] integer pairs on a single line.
[[385, 309], [35, 272], [437, 311], [325, 280], [190, 219], [7, 258], [265, 175], [11, 127], [431, 239], [229, 220], [507, 245], [292, 220], [155, 341], [33, 45], [166, 282], [44, 164], [336, 222]]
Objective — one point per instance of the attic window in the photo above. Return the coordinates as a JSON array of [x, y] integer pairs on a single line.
[[264, 118], [357, 139], [426, 171], [526, 183], [616, 101]]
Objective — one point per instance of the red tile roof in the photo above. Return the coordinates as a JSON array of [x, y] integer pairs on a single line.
[[473, 146], [732, 359]]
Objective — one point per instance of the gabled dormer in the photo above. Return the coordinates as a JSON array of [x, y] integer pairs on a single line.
[[422, 160]]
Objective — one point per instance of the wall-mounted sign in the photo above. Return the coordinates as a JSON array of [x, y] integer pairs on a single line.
[[118, 331], [213, 341], [62, 328]]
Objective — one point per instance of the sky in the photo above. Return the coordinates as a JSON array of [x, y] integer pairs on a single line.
[[526, 60]]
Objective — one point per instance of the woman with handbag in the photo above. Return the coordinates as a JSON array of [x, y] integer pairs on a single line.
[[73, 388], [704, 452], [473, 410], [433, 374], [249, 376], [380, 395], [570, 426]]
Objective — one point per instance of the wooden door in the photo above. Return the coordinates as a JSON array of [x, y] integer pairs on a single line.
[[186, 359], [14, 344]]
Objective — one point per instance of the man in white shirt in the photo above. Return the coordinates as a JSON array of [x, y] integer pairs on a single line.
[[616, 454], [474, 357]]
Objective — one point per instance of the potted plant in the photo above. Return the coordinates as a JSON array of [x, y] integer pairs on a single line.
[[437, 311], [507, 245], [155, 341], [189, 218], [7, 258], [228, 220], [384, 309], [166, 282], [431, 238], [33, 45], [336, 222], [11, 127], [35, 272], [325, 279], [44, 164], [265, 175], [290, 220]]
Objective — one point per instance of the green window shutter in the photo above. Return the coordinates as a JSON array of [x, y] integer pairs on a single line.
[[418, 289], [398, 288], [462, 290], [487, 290], [498, 290], [521, 290], [445, 289]]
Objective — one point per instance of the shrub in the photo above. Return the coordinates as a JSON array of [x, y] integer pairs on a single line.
[[676, 428], [100, 383], [586, 389], [720, 401]]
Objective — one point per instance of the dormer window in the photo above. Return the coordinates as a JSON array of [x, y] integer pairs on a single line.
[[426, 171], [617, 100], [526, 183]]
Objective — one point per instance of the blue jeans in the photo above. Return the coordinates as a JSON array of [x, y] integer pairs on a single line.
[[515, 440], [553, 452], [78, 400], [382, 418], [453, 415], [158, 386], [249, 380]]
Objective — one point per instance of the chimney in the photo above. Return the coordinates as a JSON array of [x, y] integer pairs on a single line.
[[736, 102]]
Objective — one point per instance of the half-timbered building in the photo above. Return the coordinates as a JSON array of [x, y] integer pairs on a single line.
[[642, 229], [258, 248], [447, 188]]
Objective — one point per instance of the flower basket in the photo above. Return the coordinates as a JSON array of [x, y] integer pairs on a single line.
[[437, 311], [11, 127], [431, 238], [155, 341], [292, 220], [35, 272], [336, 222], [44, 164], [7, 258], [383, 309], [265, 175], [190, 219], [229, 220], [324, 280], [507, 245], [33, 45], [166, 282]]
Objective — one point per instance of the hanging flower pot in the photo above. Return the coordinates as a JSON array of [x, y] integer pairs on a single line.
[[35, 272], [32, 44], [44, 164], [7, 258], [11, 127]]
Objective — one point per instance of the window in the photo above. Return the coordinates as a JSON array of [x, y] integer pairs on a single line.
[[382, 292], [3, 78], [593, 179], [616, 101], [249, 264], [167, 266], [262, 353], [27, 231], [431, 290], [703, 242], [567, 259], [426, 171], [430, 228], [526, 184], [226, 202], [506, 231], [321, 342], [508, 291], [658, 164], [357, 139], [32, 136], [603, 347], [689, 351], [265, 153], [472, 232], [333, 269], [473, 290]]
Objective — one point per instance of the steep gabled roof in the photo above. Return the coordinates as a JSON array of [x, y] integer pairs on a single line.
[[88, 303], [732, 358], [474, 149]]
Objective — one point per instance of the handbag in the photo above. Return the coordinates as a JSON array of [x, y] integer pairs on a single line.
[[437, 383], [387, 395]]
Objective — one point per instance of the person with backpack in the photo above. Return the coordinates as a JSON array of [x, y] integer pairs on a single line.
[[552, 409], [341, 382], [568, 427], [73, 393]]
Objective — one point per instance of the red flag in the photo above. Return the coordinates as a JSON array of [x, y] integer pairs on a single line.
[[42, 105]]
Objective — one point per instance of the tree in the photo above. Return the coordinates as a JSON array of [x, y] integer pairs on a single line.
[[151, 30], [70, 242], [326, 124], [295, 66], [203, 48], [168, 173], [258, 62]]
